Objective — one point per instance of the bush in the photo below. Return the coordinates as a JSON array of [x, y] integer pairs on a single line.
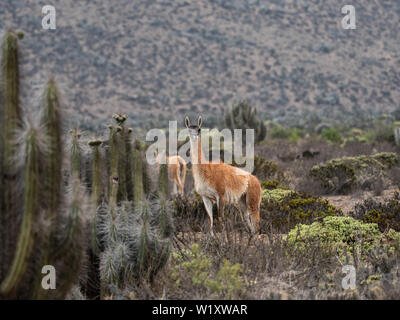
[[189, 213], [270, 184], [382, 131], [267, 170], [342, 175], [342, 235], [291, 134], [282, 209], [332, 135], [226, 283], [385, 214]]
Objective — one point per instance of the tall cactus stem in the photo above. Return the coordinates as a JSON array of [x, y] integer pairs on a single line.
[[10, 115], [76, 154], [138, 194], [31, 213]]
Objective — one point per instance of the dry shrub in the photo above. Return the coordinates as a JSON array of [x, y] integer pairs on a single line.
[[384, 213], [282, 209]]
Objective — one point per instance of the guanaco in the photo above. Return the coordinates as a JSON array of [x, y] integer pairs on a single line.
[[176, 170], [220, 183]]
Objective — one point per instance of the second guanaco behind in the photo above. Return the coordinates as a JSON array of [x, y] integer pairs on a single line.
[[176, 170]]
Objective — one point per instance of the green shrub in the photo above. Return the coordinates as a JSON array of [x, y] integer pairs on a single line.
[[291, 134], [226, 283], [342, 175], [282, 209], [382, 131], [342, 235], [332, 135], [270, 184]]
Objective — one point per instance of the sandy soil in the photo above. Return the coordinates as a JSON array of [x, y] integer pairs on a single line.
[[347, 203]]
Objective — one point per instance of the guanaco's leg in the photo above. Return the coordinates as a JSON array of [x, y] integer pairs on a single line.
[[174, 189], [209, 206], [221, 206]]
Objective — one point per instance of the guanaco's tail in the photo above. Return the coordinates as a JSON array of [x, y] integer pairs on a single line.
[[253, 200]]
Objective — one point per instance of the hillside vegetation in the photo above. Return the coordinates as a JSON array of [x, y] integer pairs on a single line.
[[168, 58]]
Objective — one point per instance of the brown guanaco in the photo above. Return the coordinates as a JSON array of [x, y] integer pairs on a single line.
[[220, 183]]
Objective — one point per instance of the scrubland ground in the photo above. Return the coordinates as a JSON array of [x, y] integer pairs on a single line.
[[309, 231]]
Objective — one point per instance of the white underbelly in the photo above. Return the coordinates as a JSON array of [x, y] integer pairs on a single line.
[[205, 190]]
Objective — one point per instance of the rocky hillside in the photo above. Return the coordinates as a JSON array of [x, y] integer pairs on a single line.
[[165, 58]]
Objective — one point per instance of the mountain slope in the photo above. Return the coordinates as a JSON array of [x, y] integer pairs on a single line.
[[173, 57]]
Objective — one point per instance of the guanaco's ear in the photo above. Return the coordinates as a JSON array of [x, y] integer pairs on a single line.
[[187, 122], [199, 121]]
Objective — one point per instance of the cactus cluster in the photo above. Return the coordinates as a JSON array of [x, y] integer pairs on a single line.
[[243, 116], [119, 186], [136, 243], [87, 217], [47, 227]]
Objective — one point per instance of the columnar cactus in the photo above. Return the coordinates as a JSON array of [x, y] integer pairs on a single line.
[[51, 230], [243, 116], [129, 164], [68, 253], [163, 183], [10, 115], [52, 168], [114, 160], [137, 172], [31, 213], [122, 155], [51, 120], [75, 153], [97, 188], [97, 191]]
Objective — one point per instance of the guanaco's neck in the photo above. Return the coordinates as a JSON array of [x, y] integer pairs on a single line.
[[197, 152]]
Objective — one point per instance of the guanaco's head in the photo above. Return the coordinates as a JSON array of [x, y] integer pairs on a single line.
[[194, 130]]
